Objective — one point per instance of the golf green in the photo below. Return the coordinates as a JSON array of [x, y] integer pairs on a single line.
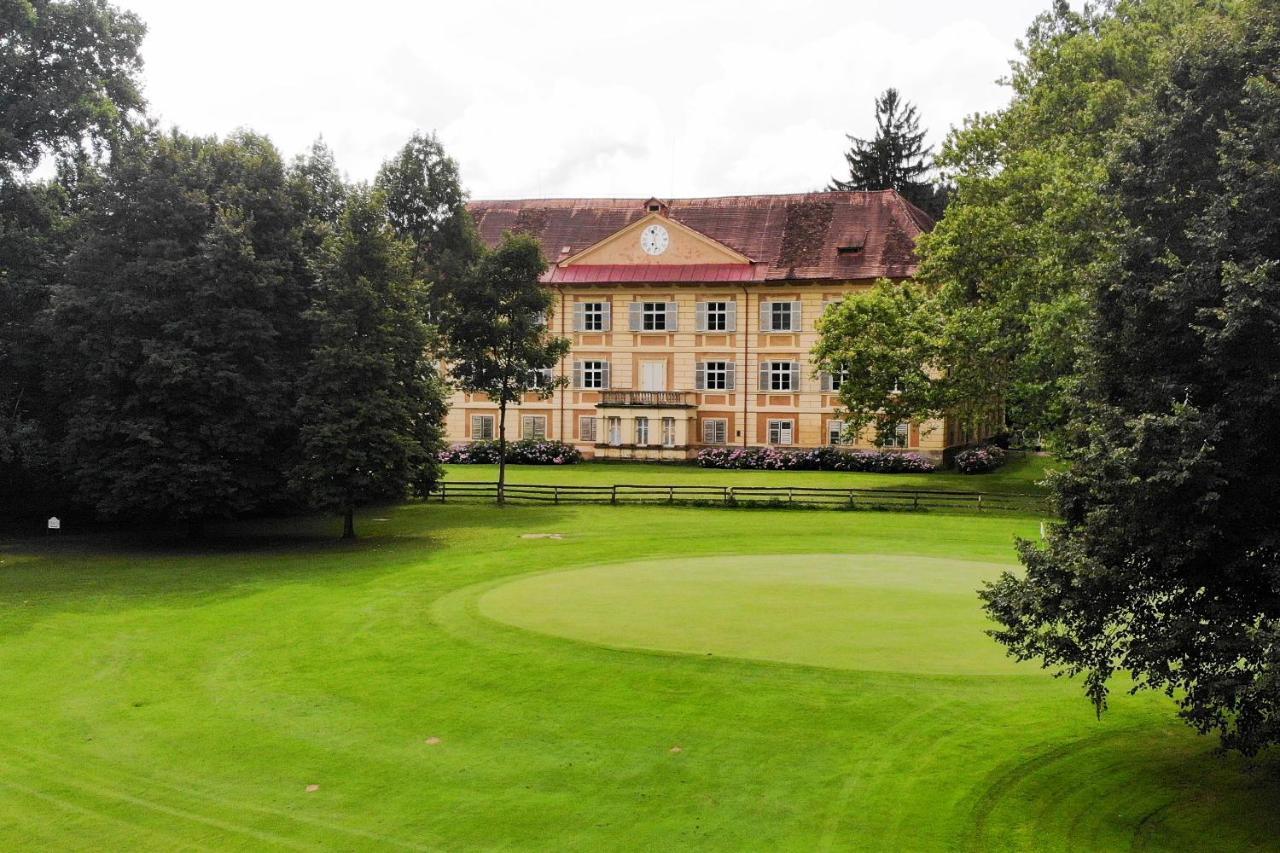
[[848, 611]]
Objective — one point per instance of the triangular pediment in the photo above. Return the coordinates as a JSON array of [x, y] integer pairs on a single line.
[[680, 245]]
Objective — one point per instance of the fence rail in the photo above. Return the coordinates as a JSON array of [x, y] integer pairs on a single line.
[[812, 497]]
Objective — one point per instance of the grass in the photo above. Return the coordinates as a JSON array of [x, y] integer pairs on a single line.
[[1021, 475], [156, 697]]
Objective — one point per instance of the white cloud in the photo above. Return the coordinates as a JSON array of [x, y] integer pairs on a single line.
[[579, 98]]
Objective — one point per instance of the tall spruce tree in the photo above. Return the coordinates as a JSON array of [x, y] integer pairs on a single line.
[[896, 158], [496, 333], [1167, 561], [371, 408], [174, 325]]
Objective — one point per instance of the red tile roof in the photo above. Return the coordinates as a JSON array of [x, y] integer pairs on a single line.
[[786, 236], [584, 273]]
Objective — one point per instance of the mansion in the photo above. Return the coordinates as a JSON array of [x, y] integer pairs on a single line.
[[692, 320]]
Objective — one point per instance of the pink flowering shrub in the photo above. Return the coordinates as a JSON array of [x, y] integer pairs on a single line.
[[815, 459], [524, 452], [980, 460]]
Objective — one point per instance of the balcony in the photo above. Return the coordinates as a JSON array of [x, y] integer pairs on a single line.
[[648, 399]]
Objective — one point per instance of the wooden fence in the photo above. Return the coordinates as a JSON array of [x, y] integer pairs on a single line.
[[809, 497]]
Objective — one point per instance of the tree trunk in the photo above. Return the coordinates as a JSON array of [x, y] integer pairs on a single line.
[[349, 523], [502, 451]]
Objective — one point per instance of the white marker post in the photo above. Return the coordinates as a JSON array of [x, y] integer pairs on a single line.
[[54, 524]]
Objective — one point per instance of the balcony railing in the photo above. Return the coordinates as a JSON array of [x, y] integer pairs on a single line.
[[647, 398]]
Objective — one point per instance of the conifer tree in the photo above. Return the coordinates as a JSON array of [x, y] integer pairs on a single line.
[[371, 408], [896, 158]]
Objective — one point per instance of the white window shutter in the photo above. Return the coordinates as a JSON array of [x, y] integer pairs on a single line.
[[708, 432], [579, 316], [730, 377], [637, 316], [700, 376], [764, 376], [825, 378], [607, 308], [731, 316], [796, 324], [795, 376], [577, 374], [604, 374], [700, 318], [673, 316], [766, 317]]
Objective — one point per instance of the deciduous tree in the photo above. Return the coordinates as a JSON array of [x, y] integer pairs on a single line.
[[70, 71], [495, 329], [1167, 561], [174, 323]]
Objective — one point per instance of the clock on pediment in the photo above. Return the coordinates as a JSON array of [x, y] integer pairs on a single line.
[[654, 239]]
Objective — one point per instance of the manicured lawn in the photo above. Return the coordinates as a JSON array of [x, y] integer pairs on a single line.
[[660, 696], [1021, 475]]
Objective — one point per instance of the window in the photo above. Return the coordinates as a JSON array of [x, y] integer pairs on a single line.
[[591, 374], [654, 316], [780, 432], [615, 431], [642, 431], [540, 379], [717, 316], [901, 436], [533, 426], [715, 431], [715, 375], [591, 316], [668, 432], [780, 316], [779, 376], [835, 432], [587, 428], [482, 427], [835, 379]]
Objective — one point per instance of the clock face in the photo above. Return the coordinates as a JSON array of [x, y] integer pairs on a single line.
[[654, 239]]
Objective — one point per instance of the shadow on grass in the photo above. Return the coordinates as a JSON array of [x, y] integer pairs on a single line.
[[105, 567]]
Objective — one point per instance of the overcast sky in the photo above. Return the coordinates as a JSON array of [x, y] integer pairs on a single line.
[[647, 97]]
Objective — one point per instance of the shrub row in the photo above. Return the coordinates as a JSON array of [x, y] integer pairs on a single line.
[[980, 460], [523, 452], [817, 459]]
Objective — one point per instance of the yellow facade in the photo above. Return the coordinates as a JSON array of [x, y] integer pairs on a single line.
[[632, 378]]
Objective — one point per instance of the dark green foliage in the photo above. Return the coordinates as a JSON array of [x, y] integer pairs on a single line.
[[371, 405], [35, 232], [178, 327], [67, 69], [495, 328], [1167, 561], [896, 158], [427, 206]]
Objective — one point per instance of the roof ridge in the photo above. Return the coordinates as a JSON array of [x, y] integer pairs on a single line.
[[675, 199]]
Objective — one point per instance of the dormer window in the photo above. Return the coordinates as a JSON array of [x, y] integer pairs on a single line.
[[656, 205], [848, 250]]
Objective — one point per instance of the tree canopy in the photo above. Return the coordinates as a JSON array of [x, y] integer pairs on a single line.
[[1166, 563], [895, 158], [496, 332], [70, 71], [371, 405]]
